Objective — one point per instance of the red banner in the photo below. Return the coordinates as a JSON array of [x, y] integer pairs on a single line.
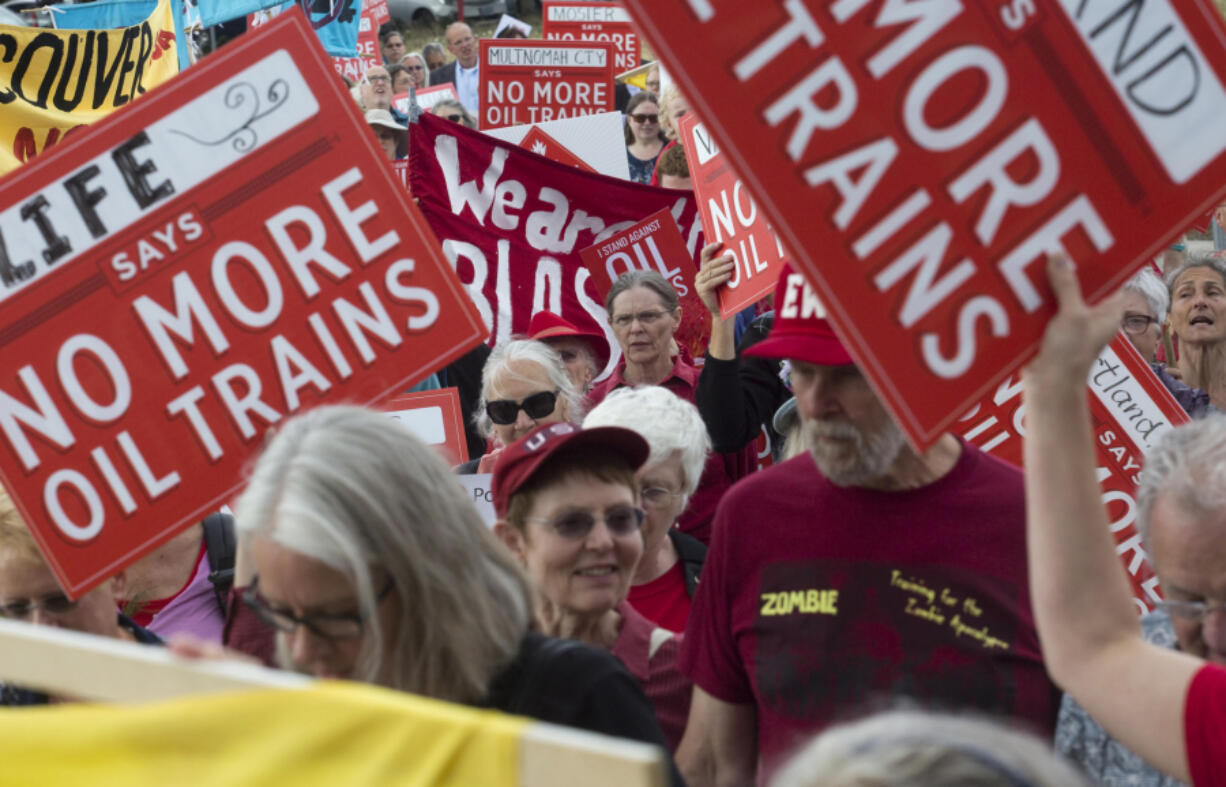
[[195, 268], [513, 222], [527, 81], [729, 214], [1130, 408], [436, 419], [562, 20], [921, 159]]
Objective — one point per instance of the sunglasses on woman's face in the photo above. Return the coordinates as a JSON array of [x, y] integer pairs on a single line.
[[504, 412], [454, 118], [645, 118]]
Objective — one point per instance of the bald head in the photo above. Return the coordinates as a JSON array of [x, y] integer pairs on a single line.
[[462, 44]]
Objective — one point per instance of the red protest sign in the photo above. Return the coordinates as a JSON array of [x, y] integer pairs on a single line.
[[571, 21], [1131, 409], [205, 263], [436, 419], [513, 224], [921, 163], [525, 81], [378, 11], [729, 214], [542, 144], [368, 55], [655, 243]]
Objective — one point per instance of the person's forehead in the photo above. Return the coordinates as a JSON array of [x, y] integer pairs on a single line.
[[577, 486], [1135, 302], [459, 33], [394, 38], [637, 297], [21, 577], [288, 575], [1188, 539], [521, 376], [1200, 273], [376, 71]]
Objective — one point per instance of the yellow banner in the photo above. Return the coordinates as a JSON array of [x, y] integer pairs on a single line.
[[53, 82], [329, 735]]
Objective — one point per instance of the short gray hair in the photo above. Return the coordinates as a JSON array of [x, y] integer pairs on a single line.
[[1189, 462], [909, 748], [667, 422], [1196, 259], [352, 489], [497, 367], [417, 55], [643, 278], [455, 106], [433, 46], [1150, 287]]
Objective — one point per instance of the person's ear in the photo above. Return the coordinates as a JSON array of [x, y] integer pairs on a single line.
[[510, 535]]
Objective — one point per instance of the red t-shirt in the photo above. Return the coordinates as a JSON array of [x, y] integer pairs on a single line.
[[720, 471], [819, 601], [1204, 726], [664, 600]]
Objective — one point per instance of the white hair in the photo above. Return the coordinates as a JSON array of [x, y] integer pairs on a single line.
[[1147, 284], [910, 748], [352, 489], [667, 422], [498, 368], [1188, 462]]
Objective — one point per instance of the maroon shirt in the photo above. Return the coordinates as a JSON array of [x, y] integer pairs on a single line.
[[818, 601], [1204, 726], [721, 470], [654, 663]]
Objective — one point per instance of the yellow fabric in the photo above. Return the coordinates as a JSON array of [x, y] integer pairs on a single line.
[[331, 734], [52, 81], [636, 76]]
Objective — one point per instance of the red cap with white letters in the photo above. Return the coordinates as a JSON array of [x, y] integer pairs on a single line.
[[801, 331]]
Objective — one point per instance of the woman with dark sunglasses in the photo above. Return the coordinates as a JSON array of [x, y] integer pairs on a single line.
[[644, 137], [567, 501], [360, 548], [524, 385]]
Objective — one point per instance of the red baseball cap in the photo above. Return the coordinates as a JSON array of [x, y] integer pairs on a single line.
[[546, 325], [800, 331], [519, 461]]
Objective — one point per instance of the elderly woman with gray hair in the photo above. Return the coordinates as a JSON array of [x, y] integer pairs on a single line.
[[645, 313], [524, 385], [667, 573], [1146, 300], [363, 552], [1198, 320]]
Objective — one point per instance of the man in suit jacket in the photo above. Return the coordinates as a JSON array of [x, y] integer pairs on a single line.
[[463, 71]]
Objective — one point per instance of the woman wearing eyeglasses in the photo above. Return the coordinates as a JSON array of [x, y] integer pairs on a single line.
[[524, 385], [644, 138], [567, 507], [415, 66], [645, 313], [362, 550], [667, 574]]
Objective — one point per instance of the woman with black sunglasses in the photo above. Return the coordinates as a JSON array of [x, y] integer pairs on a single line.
[[644, 137], [524, 385]]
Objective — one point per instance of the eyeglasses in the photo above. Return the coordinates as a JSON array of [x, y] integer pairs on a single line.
[[1191, 610], [506, 411], [416, 68], [23, 609], [646, 318], [645, 118], [376, 79], [577, 524], [654, 87], [331, 628], [1137, 323], [454, 118], [658, 497]]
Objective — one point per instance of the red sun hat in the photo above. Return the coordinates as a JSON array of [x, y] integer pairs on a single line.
[[801, 331], [519, 461], [546, 325]]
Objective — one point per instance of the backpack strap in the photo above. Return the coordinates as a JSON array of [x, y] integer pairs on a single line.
[[221, 548]]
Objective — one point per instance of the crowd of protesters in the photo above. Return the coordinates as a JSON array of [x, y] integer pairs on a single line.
[[858, 613]]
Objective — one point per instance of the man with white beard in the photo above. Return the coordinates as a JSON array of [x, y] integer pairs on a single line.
[[855, 573]]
